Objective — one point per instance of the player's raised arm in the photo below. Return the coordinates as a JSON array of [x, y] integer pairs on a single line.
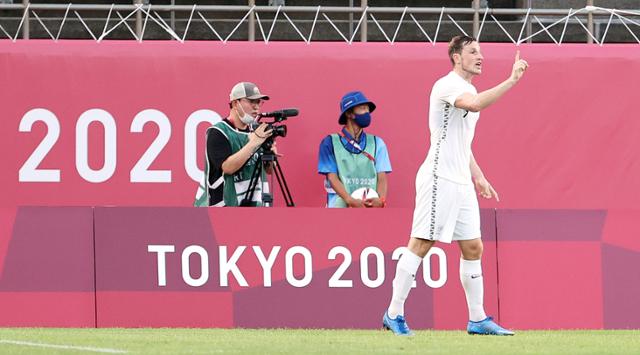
[[475, 103]]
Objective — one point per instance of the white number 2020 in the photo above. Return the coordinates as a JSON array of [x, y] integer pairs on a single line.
[[141, 172], [337, 280]]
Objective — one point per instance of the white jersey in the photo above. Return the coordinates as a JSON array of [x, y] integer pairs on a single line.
[[452, 130]]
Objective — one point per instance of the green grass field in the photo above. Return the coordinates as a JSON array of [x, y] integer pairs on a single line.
[[289, 341]]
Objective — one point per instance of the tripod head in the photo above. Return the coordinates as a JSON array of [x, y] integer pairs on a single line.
[[266, 156]]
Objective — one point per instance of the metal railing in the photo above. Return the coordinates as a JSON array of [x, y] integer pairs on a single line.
[[145, 14]]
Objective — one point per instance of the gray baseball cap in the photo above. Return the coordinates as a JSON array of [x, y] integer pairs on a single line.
[[246, 90]]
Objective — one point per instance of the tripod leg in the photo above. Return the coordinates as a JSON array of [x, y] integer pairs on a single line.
[[282, 182], [248, 195]]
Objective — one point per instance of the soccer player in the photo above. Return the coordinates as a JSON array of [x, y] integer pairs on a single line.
[[446, 204]]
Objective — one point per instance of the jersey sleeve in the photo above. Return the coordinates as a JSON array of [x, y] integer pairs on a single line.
[[326, 157], [449, 90], [383, 164]]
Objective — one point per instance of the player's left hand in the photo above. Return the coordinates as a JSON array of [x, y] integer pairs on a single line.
[[485, 189], [373, 202]]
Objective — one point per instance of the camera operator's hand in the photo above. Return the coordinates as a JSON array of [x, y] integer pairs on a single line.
[[269, 166], [257, 137], [274, 149], [237, 160], [355, 203]]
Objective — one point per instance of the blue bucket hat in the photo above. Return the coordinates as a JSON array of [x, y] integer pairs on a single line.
[[351, 100]]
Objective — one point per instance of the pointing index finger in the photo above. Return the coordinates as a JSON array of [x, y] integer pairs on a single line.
[[495, 194], [517, 55]]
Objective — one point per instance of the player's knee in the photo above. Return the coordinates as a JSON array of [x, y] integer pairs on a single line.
[[472, 250], [420, 247]]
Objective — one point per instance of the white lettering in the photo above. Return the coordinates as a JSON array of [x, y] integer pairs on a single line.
[[227, 266], [82, 145], [335, 280], [191, 139], [162, 265], [308, 271], [442, 266], [266, 263], [29, 170], [204, 265], [141, 171], [364, 267]]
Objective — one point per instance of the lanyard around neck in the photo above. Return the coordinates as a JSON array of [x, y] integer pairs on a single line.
[[355, 145]]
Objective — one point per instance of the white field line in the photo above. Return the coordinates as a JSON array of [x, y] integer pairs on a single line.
[[67, 347]]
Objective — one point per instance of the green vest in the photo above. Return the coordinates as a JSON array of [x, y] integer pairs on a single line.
[[237, 184], [355, 170]]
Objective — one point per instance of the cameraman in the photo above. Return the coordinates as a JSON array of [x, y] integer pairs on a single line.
[[352, 159], [232, 147]]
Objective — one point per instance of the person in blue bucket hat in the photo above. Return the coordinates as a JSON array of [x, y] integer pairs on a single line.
[[354, 162]]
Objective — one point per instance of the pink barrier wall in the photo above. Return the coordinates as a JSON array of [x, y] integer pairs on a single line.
[[565, 137], [122, 123], [47, 269], [189, 267], [277, 300]]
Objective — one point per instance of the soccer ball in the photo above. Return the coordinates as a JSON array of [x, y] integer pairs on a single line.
[[364, 193]]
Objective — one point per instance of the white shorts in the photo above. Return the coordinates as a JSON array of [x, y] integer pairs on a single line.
[[445, 210]]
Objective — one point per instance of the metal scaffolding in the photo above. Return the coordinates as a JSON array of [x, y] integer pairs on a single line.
[[140, 15]]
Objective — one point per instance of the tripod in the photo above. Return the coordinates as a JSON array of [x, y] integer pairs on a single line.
[[265, 157]]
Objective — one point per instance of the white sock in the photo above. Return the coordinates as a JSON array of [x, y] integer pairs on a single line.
[[471, 278], [405, 274]]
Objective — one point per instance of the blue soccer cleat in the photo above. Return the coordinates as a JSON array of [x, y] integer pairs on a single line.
[[487, 327], [398, 325]]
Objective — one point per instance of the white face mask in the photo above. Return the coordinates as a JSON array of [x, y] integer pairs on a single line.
[[245, 117]]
